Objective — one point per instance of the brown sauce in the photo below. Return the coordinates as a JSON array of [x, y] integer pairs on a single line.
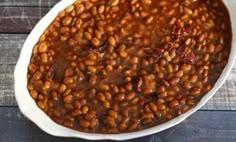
[[125, 65]]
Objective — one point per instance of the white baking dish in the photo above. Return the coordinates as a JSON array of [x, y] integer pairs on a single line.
[[29, 108]]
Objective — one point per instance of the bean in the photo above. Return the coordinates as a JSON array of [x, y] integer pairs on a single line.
[[106, 104], [66, 21], [122, 126], [88, 35], [113, 114], [62, 88], [193, 78], [94, 10], [69, 72], [211, 48], [68, 124], [169, 68], [88, 5], [114, 2], [78, 23], [179, 73], [70, 9], [64, 38], [84, 123], [147, 115], [134, 100], [191, 102], [54, 96], [110, 28], [92, 69], [134, 60], [146, 1], [186, 67], [95, 41], [173, 104], [98, 33], [89, 62], [131, 95], [37, 75], [91, 115], [108, 95], [195, 91], [46, 85], [40, 97], [111, 122], [34, 94], [109, 68], [85, 109], [206, 57], [188, 10], [161, 89], [93, 123], [68, 99], [161, 107], [162, 3], [44, 57], [68, 80], [101, 9], [111, 41], [76, 112], [68, 106], [42, 68], [93, 80], [104, 86], [174, 81], [80, 8], [133, 126], [153, 107], [92, 56], [101, 97], [188, 41], [120, 97], [41, 104], [42, 37], [129, 86], [162, 62], [43, 47], [162, 95]]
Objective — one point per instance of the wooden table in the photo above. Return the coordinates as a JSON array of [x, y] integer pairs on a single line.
[[216, 121]]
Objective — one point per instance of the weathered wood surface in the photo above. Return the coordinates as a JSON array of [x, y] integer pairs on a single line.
[[10, 46], [214, 126], [41, 3], [20, 19]]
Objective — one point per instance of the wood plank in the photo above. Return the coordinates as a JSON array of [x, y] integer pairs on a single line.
[[10, 46], [20, 19], [41, 3], [217, 126]]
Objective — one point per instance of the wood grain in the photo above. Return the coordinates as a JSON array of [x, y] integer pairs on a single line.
[[41, 3], [224, 99], [10, 46], [202, 126], [20, 19]]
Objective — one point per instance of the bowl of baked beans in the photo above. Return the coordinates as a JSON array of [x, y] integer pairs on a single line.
[[122, 69]]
